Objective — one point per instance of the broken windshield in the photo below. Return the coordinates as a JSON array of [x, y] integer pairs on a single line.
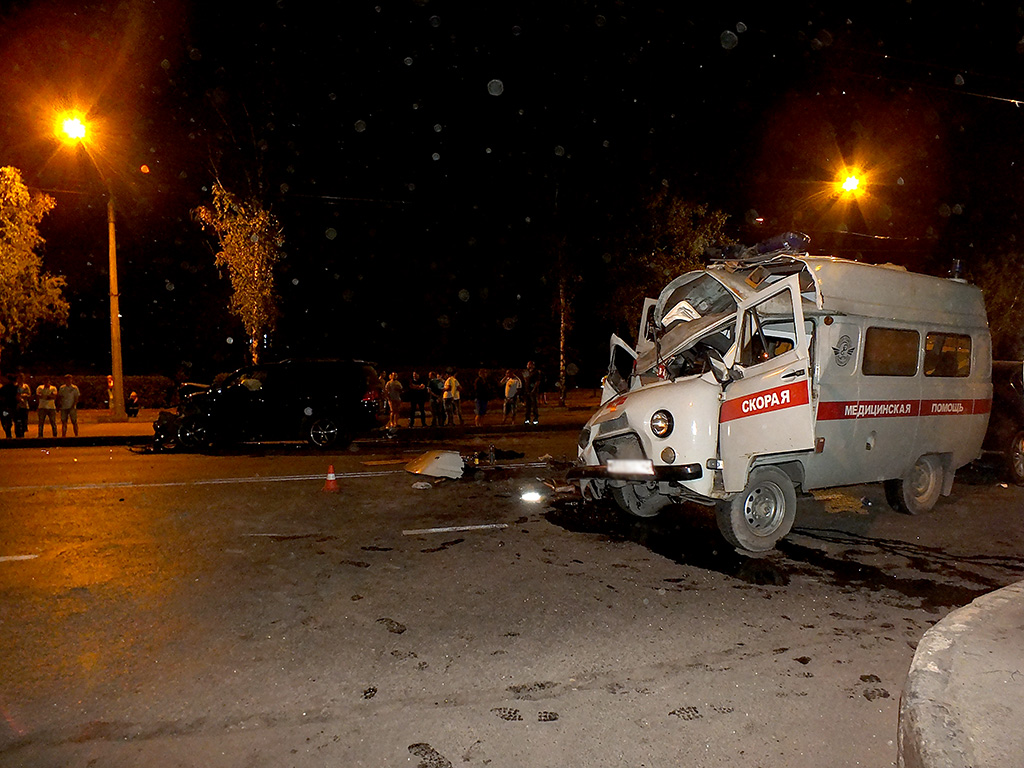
[[690, 297], [683, 348]]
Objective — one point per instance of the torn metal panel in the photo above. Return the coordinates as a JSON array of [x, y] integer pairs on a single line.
[[438, 464]]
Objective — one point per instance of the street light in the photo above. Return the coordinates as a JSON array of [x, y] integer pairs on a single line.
[[849, 183], [73, 130]]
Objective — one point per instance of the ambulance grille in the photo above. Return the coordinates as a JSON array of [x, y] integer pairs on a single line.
[[625, 446], [614, 425]]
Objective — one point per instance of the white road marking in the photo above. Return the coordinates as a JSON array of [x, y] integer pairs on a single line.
[[454, 528], [212, 481], [5, 558]]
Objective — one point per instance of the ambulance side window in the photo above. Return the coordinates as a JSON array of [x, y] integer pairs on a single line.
[[890, 352], [947, 355], [765, 336]]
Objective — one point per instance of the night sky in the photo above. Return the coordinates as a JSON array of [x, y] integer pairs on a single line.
[[429, 160]]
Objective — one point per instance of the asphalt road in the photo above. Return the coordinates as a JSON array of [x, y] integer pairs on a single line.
[[222, 610]]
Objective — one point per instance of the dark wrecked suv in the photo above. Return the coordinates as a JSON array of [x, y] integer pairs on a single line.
[[325, 402]]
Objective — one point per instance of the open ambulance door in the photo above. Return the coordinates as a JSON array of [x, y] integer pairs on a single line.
[[620, 368], [767, 407], [646, 335]]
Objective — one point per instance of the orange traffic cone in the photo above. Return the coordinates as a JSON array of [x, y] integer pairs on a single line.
[[332, 482]]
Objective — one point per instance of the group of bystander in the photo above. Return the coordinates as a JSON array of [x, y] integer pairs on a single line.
[[16, 402], [444, 395]]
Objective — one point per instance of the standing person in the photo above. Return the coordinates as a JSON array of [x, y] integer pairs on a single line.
[[393, 392], [480, 393], [512, 384], [46, 394], [452, 398], [531, 392], [67, 401], [24, 394], [417, 399], [8, 404], [435, 387]]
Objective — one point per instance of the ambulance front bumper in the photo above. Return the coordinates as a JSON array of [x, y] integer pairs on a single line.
[[636, 470]]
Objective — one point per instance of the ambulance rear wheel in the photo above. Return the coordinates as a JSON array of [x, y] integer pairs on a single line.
[[754, 520], [640, 500], [919, 490]]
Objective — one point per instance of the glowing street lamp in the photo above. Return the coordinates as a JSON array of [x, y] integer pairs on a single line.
[[849, 183], [72, 130]]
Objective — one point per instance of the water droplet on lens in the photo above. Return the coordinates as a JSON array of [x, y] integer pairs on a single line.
[[729, 40], [495, 87]]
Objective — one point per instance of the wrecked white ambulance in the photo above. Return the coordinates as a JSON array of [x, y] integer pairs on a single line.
[[773, 370]]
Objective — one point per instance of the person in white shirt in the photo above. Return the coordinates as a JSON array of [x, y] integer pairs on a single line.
[[452, 398], [512, 386], [46, 394]]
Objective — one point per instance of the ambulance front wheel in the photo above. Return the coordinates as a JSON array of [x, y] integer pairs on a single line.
[[639, 499], [919, 490], [755, 519]]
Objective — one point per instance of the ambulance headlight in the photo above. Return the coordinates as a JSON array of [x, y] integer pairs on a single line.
[[661, 423]]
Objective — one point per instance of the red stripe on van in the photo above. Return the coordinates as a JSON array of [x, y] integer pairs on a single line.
[[775, 399], [868, 409], [885, 409], [947, 407]]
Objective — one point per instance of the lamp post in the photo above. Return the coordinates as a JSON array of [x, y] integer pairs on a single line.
[[73, 131]]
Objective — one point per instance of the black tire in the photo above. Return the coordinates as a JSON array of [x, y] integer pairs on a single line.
[[762, 514], [640, 500], [1015, 458], [919, 490], [193, 433], [326, 432]]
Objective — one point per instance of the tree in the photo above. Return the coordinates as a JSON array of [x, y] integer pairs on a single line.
[[29, 296], [669, 240], [1001, 277], [250, 241]]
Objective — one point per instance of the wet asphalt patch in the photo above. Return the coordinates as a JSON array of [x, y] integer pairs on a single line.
[[919, 576]]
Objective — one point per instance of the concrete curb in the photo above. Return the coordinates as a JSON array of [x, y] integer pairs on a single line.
[[963, 703]]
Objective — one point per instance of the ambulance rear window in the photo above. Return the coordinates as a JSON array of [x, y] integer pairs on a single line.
[[890, 352], [947, 355]]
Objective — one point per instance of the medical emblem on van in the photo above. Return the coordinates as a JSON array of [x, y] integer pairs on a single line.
[[844, 350]]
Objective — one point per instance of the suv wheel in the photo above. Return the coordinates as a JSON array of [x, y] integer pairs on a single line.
[[1015, 458], [193, 432], [326, 432]]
